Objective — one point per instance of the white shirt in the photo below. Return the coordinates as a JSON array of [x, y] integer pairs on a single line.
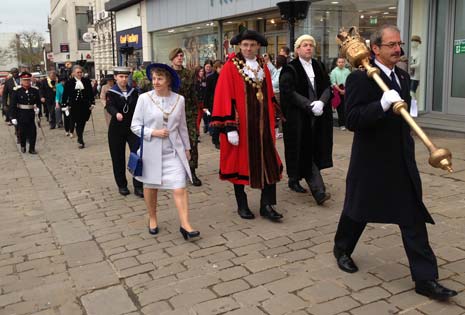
[[387, 71], [309, 70], [253, 64]]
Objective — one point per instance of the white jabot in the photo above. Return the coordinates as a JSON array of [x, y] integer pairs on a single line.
[[253, 64], [386, 70], [79, 85], [309, 70]]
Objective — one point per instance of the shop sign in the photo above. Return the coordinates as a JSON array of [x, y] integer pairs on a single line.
[[64, 48], [131, 37], [459, 46], [373, 20]]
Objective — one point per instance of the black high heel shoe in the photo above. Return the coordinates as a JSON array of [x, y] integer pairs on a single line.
[[153, 231], [187, 235]]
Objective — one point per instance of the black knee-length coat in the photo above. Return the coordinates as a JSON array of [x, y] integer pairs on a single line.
[[307, 138], [383, 183], [78, 101]]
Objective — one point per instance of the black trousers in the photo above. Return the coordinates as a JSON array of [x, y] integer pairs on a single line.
[[80, 126], [341, 113], [315, 182], [51, 114], [118, 136], [422, 261], [27, 132], [215, 133], [268, 196]]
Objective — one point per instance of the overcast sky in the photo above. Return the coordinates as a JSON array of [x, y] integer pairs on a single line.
[[24, 15]]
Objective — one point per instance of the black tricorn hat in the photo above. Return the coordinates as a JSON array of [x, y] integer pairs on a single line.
[[249, 34]]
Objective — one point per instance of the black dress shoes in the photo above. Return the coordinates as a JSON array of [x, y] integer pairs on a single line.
[[433, 290], [269, 212], [187, 235], [321, 198], [344, 262], [195, 180], [246, 214], [32, 151], [153, 231], [23, 149], [124, 191], [81, 145], [295, 186], [139, 192]]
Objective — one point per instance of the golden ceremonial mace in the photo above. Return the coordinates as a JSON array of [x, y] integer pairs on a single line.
[[355, 50]]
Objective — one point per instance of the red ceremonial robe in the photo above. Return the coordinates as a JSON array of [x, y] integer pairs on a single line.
[[255, 160]]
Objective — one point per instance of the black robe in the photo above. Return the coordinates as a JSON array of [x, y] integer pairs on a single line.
[[307, 138], [383, 183], [78, 101]]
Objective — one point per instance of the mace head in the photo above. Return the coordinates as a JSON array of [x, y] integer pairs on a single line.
[[353, 47]]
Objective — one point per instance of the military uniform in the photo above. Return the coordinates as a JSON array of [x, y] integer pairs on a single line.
[[187, 89], [22, 109]]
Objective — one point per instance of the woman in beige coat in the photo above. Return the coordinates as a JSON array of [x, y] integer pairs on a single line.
[[166, 151]]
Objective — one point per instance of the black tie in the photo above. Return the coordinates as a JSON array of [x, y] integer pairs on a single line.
[[394, 82]]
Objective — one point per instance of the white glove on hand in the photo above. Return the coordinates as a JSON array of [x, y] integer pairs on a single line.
[[92, 107], [14, 122], [36, 110], [233, 137], [317, 107], [66, 111], [389, 98]]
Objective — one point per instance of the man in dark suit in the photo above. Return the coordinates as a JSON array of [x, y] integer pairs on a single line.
[[209, 97], [383, 183], [304, 88], [11, 85]]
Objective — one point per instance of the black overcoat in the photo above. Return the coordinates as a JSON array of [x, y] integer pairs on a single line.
[[79, 102], [383, 183], [307, 138]]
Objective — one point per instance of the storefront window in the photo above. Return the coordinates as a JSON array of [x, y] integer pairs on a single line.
[[438, 74], [198, 42], [418, 52]]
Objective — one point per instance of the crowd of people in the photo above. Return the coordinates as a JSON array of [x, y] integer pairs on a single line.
[[242, 103]]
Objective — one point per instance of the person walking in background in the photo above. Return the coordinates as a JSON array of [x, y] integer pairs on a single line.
[[209, 96], [280, 63], [62, 111], [109, 83], [338, 80], [248, 155], [188, 91], [383, 183], [47, 92], [11, 85], [160, 113], [308, 130], [200, 85], [120, 102], [79, 98]]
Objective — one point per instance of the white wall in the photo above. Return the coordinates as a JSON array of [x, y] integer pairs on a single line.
[[128, 18]]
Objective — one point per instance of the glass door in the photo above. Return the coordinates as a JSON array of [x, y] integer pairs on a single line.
[[456, 95]]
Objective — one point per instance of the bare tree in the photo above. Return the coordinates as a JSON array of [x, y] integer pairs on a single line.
[[28, 48]]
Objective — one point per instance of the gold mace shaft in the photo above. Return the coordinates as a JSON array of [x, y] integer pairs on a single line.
[[439, 158]]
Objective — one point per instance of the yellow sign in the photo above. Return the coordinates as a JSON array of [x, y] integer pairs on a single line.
[[129, 38]]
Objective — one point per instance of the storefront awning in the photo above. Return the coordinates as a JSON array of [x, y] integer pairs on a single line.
[[117, 5]]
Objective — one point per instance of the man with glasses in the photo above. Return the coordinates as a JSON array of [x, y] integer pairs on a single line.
[[383, 183]]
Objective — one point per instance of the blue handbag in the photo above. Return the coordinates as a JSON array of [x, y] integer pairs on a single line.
[[135, 161]]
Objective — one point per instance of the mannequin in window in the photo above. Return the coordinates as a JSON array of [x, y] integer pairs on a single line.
[[415, 65]]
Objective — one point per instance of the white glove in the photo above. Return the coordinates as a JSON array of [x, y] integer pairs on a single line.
[[389, 98], [36, 110], [92, 107], [208, 113], [64, 109], [317, 107], [233, 137], [14, 122], [67, 111]]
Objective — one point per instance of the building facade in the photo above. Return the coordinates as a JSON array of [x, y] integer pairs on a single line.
[[8, 57], [203, 29], [69, 20]]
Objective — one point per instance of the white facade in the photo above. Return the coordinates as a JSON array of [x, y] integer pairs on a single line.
[[102, 46], [8, 58], [64, 30]]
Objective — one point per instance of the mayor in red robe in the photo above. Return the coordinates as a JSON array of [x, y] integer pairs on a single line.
[[244, 112]]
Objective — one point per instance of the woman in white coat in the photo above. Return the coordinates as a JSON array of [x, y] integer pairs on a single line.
[[166, 151]]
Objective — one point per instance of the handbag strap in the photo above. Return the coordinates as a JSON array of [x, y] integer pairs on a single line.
[[142, 142]]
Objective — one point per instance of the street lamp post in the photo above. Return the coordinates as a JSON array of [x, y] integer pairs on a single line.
[[292, 11]]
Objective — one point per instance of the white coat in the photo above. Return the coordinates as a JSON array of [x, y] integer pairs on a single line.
[[147, 114]]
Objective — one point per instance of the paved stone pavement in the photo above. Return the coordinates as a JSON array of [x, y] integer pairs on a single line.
[[70, 244]]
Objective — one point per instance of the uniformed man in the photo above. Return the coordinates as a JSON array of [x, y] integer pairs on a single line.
[[187, 90], [23, 109], [121, 101], [11, 85]]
